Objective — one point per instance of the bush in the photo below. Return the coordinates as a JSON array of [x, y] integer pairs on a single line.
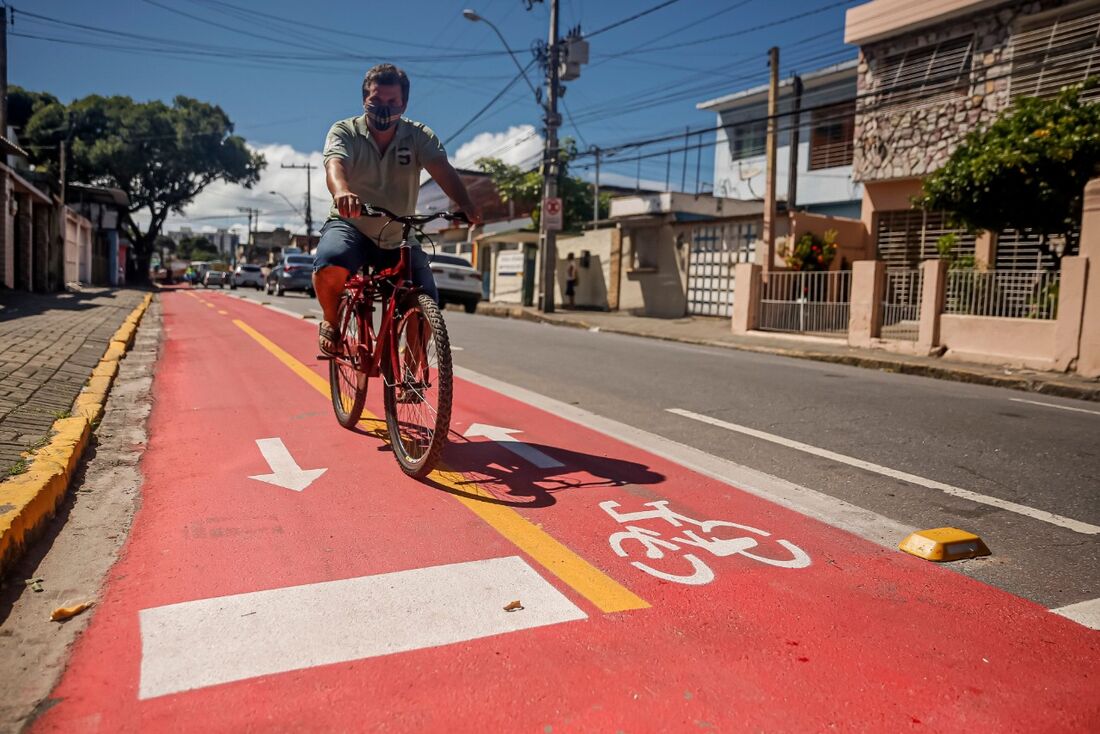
[[810, 252]]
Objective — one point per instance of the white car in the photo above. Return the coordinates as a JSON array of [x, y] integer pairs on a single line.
[[456, 280], [251, 275]]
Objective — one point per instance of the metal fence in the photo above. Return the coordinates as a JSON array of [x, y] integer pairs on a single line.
[[901, 304], [1002, 293], [806, 303]]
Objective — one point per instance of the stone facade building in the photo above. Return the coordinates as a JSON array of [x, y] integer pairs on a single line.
[[930, 73]]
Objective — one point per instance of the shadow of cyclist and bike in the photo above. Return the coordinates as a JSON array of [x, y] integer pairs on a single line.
[[487, 472]]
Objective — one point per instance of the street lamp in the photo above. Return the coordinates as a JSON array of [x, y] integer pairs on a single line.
[[473, 17], [288, 201], [296, 211]]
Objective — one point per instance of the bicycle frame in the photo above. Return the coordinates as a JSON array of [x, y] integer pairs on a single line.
[[380, 344]]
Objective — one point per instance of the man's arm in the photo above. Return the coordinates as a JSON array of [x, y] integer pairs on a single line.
[[336, 177], [448, 179]]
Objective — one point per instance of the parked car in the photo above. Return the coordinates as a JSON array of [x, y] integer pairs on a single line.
[[213, 278], [456, 280], [251, 275], [294, 273]]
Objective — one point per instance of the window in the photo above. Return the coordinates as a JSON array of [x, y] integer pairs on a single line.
[[908, 236], [299, 260], [747, 139], [831, 134], [921, 73], [1053, 51]]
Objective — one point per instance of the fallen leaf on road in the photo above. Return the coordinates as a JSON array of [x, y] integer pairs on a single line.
[[62, 613], [513, 606]]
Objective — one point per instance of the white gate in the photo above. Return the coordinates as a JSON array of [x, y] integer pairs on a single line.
[[715, 251]]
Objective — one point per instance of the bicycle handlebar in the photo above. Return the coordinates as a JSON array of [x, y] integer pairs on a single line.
[[369, 210]]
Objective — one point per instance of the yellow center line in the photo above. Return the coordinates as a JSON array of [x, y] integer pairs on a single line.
[[593, 584]]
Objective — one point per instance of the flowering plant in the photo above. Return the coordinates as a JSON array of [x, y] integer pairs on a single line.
[[811, 252]]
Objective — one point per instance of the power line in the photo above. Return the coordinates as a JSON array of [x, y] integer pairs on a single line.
[[489, 104], [634, 17], [734, 34]]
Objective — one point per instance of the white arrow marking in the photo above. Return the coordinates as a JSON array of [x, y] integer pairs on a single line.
[[285, 471], [503, 436]]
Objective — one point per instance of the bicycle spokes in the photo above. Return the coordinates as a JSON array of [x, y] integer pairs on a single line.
[[415, 387]]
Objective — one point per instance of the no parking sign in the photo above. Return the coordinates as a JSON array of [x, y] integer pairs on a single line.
[[551, 213]]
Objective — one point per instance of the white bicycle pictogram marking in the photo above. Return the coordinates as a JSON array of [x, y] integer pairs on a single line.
[[721, 547]]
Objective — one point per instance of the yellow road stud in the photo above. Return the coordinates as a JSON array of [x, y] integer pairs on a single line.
[[944, 544]]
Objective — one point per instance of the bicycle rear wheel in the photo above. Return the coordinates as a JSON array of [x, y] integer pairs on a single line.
[[418, 400], [347, 377]]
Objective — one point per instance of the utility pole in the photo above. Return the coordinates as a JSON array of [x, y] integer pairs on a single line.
[[792, 171], [548, 237], [769, 189], [596, 196], [309, 201], [251, 240], [4, 70]]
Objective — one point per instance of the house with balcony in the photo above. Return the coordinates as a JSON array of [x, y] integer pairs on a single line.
[[814, 144], [931, 72]]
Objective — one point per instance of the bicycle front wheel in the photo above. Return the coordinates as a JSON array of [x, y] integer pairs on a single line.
[[418, 397], [347, 377]]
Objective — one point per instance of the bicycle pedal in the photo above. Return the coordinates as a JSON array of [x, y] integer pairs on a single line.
[[324, 358]]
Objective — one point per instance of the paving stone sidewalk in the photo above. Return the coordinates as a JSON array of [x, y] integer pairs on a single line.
[[49, 345], [712, 331]]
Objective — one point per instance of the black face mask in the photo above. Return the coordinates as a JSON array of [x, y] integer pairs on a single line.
[[383, 117]]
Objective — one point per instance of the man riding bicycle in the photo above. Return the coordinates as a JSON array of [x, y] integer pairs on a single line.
[[376, 158]]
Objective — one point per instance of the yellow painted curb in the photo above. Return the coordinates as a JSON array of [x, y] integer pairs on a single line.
[[106, 368], [28, 501], [115, 351]]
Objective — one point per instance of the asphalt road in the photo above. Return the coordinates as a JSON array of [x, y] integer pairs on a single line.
[[978, 439]]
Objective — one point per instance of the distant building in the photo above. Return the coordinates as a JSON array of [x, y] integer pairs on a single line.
[[106, 209], [225, 241], [823, 178]]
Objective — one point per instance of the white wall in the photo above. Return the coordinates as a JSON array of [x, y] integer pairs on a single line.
[[825, 186]]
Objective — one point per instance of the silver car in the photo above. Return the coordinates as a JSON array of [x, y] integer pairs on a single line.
[[251, 275]]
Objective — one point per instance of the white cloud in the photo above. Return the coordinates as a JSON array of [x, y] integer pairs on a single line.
[[216, 207], [519, 144]]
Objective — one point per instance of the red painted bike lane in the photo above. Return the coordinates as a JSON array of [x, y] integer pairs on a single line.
[[842, 634]]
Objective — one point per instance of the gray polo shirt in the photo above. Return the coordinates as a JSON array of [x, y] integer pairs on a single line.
[[391, 180]]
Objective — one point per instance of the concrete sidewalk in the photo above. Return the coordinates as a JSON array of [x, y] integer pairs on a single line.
[[714, 331], [49, 345]]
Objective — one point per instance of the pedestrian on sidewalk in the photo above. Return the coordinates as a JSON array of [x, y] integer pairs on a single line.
[[571, 280]]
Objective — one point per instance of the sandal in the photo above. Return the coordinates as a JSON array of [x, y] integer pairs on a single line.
[[329, 340]]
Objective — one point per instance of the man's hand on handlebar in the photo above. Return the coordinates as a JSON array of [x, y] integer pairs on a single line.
[[348, 204]]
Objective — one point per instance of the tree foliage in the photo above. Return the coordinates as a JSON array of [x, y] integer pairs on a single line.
[[23, 103], [1026, 171], [161, 155], [525, 187]]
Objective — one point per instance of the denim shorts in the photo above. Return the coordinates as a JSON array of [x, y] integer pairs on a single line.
[[345, 246]]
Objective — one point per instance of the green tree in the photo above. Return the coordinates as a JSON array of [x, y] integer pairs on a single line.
[[23, 103], [196, 248], [1027, 170], [162, 156], [525, 188]]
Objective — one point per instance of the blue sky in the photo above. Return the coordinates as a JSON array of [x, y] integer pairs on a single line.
[[260, 62]]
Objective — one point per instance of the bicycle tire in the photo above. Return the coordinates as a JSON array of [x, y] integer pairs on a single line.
[[417, 456], [348, 382]]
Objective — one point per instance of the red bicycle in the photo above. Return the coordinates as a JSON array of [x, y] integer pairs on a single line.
[[409, 350]]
